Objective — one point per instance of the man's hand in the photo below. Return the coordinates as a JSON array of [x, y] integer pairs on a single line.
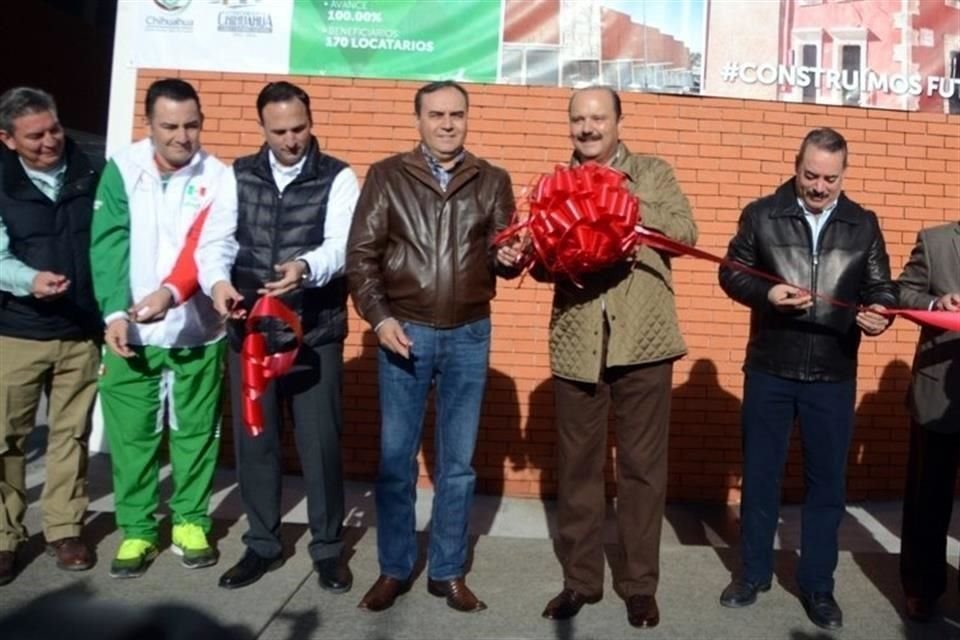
[[393, 338], [871, 322], [291, 276], [116, 337], [152, 307], [226, 300], [787, 298], [512, 253], [48, 285], [948, 302]]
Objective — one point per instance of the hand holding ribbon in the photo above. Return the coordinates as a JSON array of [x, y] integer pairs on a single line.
[[947, 320]]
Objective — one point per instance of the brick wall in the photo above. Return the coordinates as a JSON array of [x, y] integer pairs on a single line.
[[726, 152]]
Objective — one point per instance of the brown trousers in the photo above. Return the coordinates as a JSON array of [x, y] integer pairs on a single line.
[[68, 370], [640, 399]]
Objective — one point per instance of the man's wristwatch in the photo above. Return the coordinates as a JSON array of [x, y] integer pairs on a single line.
[[306, 271]]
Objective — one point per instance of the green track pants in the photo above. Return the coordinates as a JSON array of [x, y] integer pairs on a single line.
[[183, 385]]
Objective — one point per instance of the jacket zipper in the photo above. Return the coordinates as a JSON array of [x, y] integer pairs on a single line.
[[814, 264], [273, 226]]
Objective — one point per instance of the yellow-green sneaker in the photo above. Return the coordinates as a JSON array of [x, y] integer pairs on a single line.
[[190, 542], [133, 558]]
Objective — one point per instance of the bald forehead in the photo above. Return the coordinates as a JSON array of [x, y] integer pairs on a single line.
[[583, 96]]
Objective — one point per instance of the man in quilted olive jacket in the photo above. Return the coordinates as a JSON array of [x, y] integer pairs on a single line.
[[613, 342]]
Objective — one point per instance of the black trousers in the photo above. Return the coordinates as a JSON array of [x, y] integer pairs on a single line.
[[927, 504], [312, 390]]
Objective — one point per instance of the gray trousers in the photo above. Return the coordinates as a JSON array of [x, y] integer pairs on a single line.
[[312, 392]]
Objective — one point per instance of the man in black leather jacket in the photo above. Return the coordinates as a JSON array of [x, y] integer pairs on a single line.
[[802, 359]]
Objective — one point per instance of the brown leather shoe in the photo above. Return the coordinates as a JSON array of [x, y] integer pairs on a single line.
[[383, 593], [72, 554], [457, 593], [8, 561], [568, 604], [642, 611], [920, 609]]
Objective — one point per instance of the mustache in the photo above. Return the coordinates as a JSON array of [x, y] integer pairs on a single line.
[[813, 193], [589, 137]]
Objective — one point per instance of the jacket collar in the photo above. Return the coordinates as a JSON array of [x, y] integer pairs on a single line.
[[16, 184], [415, 164], [787, 206], [620, 160]]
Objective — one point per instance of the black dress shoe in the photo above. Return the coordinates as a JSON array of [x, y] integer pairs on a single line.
[[920, 609], [251, 568], [567, 604], [642, 611], [742, 593], [822, 609], [333, 575]]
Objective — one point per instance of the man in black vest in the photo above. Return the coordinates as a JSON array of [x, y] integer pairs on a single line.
[[288, 239], [49, 323]]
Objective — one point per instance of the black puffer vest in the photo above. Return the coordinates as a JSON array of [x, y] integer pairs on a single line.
[[275, 227], [50, 236]]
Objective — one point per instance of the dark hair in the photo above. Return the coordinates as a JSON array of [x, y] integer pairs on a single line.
[[617, 107], [22, 101], [171, 88], [824, 138], [282, 92], [437, 86]]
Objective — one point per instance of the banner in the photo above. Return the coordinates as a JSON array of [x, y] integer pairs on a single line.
[[895, 54], [422, 40]]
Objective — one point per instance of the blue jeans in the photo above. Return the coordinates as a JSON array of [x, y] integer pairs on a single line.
[[826, 411], [456, 361]]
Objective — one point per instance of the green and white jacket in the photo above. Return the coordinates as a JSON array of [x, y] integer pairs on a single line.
[[139, 231]]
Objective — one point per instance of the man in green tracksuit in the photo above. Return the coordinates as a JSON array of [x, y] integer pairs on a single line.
[[165, 347]]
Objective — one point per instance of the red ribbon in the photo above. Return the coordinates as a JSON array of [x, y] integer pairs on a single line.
[[947, 320], [259, 367], [581, 219]]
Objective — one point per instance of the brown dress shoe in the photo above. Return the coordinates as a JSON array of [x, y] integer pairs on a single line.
[[568, 604], [457, 593], [383, 593], [642, 611], [920, 609], [8, 561], [72, 554]]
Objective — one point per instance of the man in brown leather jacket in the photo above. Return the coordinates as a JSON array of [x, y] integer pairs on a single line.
[[422, 272]]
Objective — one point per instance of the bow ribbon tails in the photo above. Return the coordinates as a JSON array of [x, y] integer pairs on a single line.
[[259, 367]]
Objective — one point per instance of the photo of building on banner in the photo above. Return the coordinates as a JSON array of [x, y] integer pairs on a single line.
[[894, 54]]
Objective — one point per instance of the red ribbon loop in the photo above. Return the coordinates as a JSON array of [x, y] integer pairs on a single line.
[[258, 366], [581, 219]]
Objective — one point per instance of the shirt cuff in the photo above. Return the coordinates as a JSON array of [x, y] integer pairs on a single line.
[[116, 315]]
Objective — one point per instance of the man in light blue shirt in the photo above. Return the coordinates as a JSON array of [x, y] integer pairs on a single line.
[[49, 323]]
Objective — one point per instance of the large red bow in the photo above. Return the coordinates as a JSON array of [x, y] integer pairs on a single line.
[[259, 367], [581, 219]]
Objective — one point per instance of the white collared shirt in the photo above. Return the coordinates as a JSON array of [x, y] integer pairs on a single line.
[[283, 174], [816, 221], [48, 182]]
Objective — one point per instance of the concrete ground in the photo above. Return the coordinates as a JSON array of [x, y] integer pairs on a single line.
[[514, 570]]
